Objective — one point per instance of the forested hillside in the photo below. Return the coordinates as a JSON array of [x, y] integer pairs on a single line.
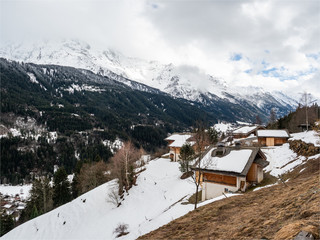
[[294, 120], [52, 115]]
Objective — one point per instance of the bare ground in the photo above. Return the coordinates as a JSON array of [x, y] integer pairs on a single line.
[[277, 212]]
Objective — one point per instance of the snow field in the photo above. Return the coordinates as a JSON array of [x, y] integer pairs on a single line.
[[13, 190], [146, 207], [153, 202]]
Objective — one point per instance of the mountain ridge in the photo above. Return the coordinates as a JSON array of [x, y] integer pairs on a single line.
[[186, 82]]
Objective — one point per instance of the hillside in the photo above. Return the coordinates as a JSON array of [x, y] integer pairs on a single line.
[[294, 119], [54, 115], [160, 196], [154, 201], [57, 91], [277, 212]]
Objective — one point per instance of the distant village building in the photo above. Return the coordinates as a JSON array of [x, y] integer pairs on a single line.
[[176, 141], [246, 131], [272, 137], [230, 169], [304, 127]]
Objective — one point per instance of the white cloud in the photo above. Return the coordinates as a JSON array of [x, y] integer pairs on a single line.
[[268, 34]]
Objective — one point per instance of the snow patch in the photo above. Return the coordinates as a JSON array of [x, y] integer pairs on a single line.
[[308, 137], [117, 144], [282, 159], [83, 87], [33, 79]]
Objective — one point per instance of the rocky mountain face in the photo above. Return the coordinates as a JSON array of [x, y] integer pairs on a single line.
[[178, 81]]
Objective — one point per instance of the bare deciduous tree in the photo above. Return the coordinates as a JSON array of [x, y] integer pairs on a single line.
[[201, 139], [258, 120], [273, 116], [306, 100], [92, 175], [113, 197], [123, 164]]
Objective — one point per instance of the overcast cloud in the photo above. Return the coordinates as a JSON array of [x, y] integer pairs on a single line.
[[273, 44]]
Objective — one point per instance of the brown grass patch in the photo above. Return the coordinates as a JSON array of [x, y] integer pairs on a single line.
[[278, 212]]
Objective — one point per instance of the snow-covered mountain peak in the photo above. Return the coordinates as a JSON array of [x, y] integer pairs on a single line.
[[188, 82]]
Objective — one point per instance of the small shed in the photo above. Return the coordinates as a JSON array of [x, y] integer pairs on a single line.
[[230, 169], [272, 137]]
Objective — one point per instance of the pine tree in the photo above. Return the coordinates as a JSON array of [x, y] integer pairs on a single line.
[[34, 212], [186, 155], [47, 203], [74, 186], [61, 189], [40, 198], [6, 224], [213, 135]]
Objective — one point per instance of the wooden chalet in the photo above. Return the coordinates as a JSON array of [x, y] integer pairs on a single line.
[[272, 137], [230, 169], [176, 141], [304, 127], [246, 131]]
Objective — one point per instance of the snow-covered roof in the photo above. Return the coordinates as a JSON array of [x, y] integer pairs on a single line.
[[181, 143], [273, 133], [244, 130], [179, 140], [178, 136], [235, 161], [223, 127]]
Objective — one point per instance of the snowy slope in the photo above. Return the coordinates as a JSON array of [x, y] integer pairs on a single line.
[[155, 201], [281, 159], [179, 81]]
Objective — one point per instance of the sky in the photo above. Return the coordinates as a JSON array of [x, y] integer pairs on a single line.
[[271, 44]]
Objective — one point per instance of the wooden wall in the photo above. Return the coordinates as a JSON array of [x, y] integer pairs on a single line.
[[276, 141], [252, 173], [279, 141], [222, 179]]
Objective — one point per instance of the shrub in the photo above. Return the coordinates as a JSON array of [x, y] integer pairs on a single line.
[[121, 229]]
